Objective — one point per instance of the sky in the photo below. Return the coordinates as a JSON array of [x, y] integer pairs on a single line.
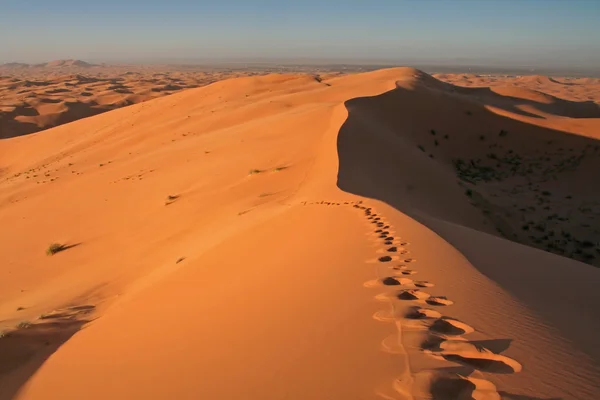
[[511, 33]]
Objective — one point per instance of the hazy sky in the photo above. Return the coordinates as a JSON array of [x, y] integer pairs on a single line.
[[564, 33]]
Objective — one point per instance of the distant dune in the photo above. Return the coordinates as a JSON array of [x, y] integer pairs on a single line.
[[35, 100], [66, 64], [385, 235]]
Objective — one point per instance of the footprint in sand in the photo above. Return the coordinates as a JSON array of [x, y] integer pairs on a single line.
[[477, 357], [441, 385], [396, 281], [388, 242], [410, 260], [413, 294], [422, 313], [392, 249], [439, 301], [385, 259], [423, 284], [408, 272], [450, 326]]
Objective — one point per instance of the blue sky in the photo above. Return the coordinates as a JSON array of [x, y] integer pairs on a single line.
[[520, 32]]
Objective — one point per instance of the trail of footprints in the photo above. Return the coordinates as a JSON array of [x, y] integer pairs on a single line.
[[445, 339]]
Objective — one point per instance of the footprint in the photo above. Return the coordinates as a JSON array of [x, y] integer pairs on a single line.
[[394, 281], [423, 313], [449, 326], [380, 224], [404, 252], [443, 385], [389, 238], [399, 267], [439, 301], [413, 294], [386, 227], [423, 284], [393, 250], [409, 272], [480, 358], [388, 243], [385, 259], [404, 243], [379, 231], [410, 260]]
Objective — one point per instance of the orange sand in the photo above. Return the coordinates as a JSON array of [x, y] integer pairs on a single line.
[[278, 237]]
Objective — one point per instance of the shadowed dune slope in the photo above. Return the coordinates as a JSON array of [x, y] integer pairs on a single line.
[[286, 237]]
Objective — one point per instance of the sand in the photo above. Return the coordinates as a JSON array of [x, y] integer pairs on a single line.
[[286, 237], [42, 96]]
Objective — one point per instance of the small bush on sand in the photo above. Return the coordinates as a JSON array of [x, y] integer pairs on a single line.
[[24, 325], [55, 248]]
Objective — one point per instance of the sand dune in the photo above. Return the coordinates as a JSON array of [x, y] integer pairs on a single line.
[[39, 97], [369, 236]]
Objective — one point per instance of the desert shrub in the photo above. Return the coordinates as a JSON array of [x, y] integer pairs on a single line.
[[55, 248]]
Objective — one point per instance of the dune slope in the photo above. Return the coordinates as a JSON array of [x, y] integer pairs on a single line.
[[283, 237]]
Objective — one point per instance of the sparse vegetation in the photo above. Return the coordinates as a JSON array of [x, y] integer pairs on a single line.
[[24, 325], [421, 148], [55, 248], [469, 192], [433, 132]]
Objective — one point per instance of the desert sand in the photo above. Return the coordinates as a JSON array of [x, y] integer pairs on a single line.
[[385, 235], [38, 97]]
